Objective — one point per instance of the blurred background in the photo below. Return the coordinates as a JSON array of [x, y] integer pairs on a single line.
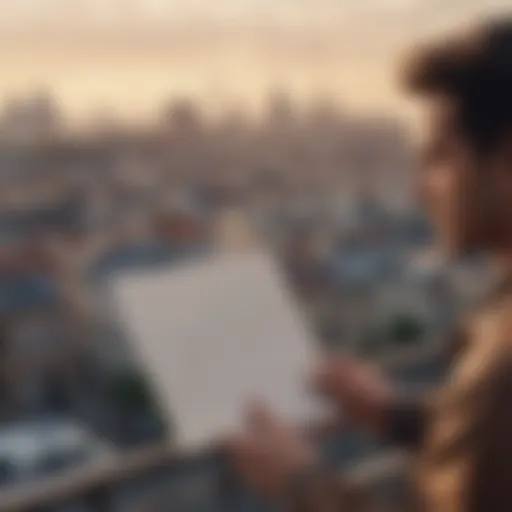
[[136, 133]]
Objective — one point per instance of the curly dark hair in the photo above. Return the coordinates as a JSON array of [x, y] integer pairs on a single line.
[[474, 70]]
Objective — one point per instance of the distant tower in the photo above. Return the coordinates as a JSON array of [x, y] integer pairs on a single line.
[[280, 110], [324, 113], [182, 115], [36, 117], [44, 112]]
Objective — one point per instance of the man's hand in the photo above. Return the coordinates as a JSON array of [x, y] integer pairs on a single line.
[[269, 454], [361, 392]]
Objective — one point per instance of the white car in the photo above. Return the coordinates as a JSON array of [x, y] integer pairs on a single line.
[[32, 449]]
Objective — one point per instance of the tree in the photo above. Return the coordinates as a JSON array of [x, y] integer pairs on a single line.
[[405, 328], [129, 389], [137, 413]]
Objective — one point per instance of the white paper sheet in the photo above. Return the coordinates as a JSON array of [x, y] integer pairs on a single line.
[[215, 334]]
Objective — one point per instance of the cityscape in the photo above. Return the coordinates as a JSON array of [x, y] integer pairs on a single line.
[[329, 191], [139, 137]]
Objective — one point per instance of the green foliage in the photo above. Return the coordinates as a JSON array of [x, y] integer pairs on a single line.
[[131, 390], [405, 328]]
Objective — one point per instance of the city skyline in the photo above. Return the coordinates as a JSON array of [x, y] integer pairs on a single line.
[[128, 58]]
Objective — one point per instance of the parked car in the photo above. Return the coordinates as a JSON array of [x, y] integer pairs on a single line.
[[32, 449]]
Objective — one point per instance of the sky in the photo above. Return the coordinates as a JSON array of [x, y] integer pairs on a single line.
[[129, 56]]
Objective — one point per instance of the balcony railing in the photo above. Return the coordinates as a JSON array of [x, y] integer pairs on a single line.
[[152, 474]]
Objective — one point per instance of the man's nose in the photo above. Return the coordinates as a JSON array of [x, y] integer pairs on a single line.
[[421, 185]]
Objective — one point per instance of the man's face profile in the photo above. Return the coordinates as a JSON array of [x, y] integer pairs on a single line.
[[443, 169], [466, 177], [465, 190]]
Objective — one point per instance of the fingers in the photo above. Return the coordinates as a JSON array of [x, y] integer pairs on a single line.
[[259, 421], [259, 416], [333, 374], [241, 448], [244, 457], [268, 452], [255, 451], [338, 375], [320, 431]]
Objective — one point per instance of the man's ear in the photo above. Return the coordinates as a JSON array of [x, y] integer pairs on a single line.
[[504, 154], [498, 162]]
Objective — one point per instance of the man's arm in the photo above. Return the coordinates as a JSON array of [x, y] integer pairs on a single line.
[[407, 417], [279, 462], [489, 486], [406, 422], [324, 491], [466, 461], [368, 400]]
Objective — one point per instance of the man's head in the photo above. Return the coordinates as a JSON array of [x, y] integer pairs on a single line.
[[466, 177]]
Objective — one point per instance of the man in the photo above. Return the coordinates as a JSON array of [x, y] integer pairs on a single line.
[[462, 435]]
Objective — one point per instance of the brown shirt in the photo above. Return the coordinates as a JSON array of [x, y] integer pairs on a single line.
[[465, 459], [461, 436]]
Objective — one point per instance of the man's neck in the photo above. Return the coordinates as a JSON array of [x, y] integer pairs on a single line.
[[503, 265]]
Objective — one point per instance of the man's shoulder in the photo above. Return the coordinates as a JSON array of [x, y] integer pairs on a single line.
[[490, 328], [483, 357]]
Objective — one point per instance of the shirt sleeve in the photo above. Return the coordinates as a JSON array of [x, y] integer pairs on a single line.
[[466, 461], [464, 466], [407, 422], [489, 483], [408, 417], [324, 491]]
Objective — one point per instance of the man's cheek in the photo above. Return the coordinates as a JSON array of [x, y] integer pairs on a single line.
[[442, 207]]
